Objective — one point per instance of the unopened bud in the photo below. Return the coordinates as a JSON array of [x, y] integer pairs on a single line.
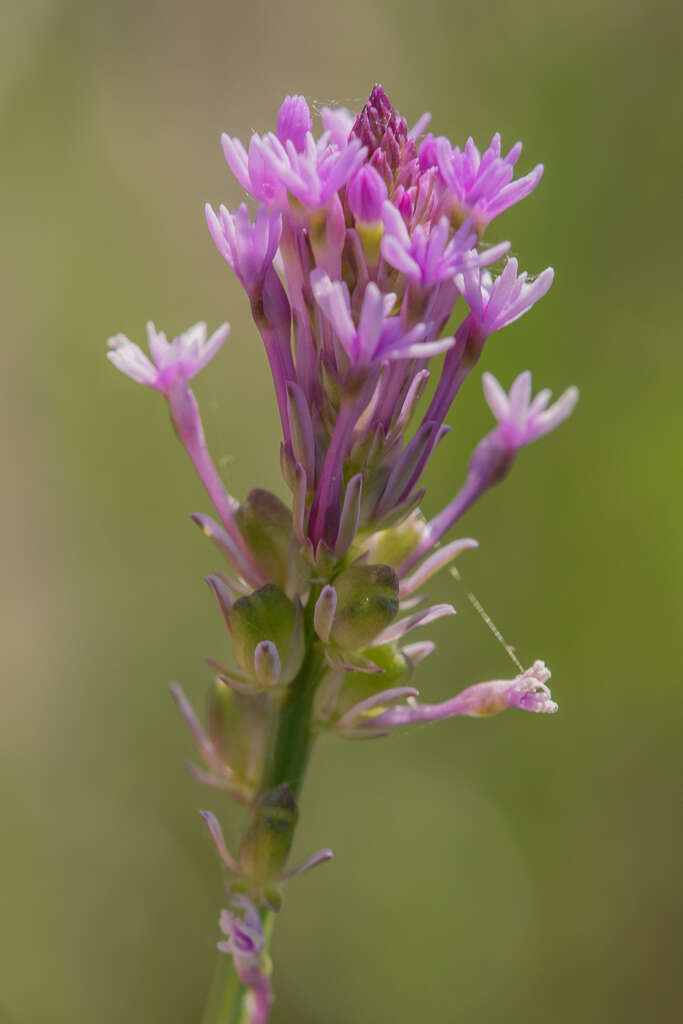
[[427, 153], [294, 121], [265, 522], [396, 667], [238, 726], [267, 614], [379, 125], [359, 686], [392, 546], [267, 663], [367, 602], [366, 195], [268, 839]]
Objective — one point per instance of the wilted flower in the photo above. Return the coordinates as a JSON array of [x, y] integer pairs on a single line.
[[526, 691]]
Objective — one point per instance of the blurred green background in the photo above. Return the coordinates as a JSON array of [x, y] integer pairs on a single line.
[[519, 868]]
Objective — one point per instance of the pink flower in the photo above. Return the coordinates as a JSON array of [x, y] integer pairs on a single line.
[[527, 691], [482, 184], [495, 303], [181, 358], [249, 249], [522, 420]]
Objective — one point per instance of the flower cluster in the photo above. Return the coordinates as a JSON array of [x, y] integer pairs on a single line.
[[365, 246]]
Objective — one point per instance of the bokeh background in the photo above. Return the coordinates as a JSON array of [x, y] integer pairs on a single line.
[[519, 868]]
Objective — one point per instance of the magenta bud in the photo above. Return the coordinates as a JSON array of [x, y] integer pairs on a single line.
[[293, 121], [378, 124], [405, 206], [366, 195], [427, 153]]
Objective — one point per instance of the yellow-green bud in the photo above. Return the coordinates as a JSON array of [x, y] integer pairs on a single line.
[[358, 686], [393, 546]]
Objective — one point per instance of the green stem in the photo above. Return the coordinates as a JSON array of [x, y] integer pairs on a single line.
[[287, 762], [293, 738], [226, 995]]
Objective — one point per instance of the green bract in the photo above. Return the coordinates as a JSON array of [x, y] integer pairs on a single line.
[[267, 614], [268, 838], [265, 522], [367, 602], [358, 686], [237, 726]]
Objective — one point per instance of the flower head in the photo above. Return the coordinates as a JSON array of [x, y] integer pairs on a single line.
[[291, 163], [379, 335], [522, 420], [181, 358], [249, 249], [496, 303], [428, 256], [481, 184]]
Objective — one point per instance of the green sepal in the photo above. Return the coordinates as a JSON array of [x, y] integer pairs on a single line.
[[265, 522], [396, 670], [267, 614], [272, 898], [268, 839], [237, 725], [367, 602]]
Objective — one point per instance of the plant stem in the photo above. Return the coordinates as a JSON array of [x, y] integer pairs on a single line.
[[226, 995], [293, 738], [287, 762]]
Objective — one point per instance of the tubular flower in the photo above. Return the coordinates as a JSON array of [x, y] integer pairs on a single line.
[[248, 249], [527, 691], [481, 185], [362, 260]]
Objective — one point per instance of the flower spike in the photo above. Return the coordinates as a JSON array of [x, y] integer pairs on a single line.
[[363, 261]]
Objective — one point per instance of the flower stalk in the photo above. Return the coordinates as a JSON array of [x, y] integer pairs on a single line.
[[367, 240]]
